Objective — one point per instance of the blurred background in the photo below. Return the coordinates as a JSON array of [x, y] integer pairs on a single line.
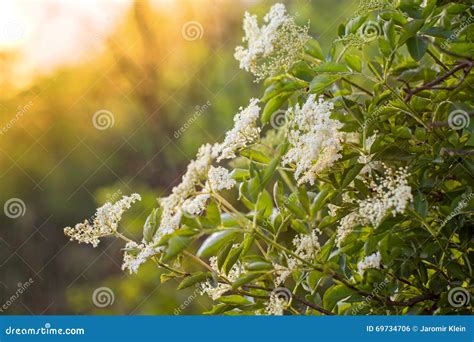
[[99, 99]]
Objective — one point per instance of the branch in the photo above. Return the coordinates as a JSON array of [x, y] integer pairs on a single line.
[[413, 301], [466, 66], [357, 86], [299, 300]]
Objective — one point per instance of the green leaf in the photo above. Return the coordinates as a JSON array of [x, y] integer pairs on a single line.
[[417, 47], [264, 204], [334, 294], [321, 82], [255, 155], [351, 174], [313, 48], [270, 171], [232, 258], [151, 224], [215, 241], [234, 300], [278, 195], [259, 266], [176, 244], [319, 200], [193, 279], [240, 174], [213, 214], [330, 67], [299, 226], [272, 106], [354, 62], [224, 252], [245, 279], [410, 30]]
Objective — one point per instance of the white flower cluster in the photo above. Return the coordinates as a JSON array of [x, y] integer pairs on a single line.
[[391, 195], [191, 195], [216, 290], [274, 47], [219, 179], [371, 261], [315, 139], [137, 254], [105, 221], [244, 132], [307, 245], [173, 204], [276, 305]]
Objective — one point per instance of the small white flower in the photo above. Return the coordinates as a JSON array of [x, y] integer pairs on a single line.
[[306, 245], [244, 132], [219, 179], [136, 254], [346, 225], [196, 205], [275, 305], [371, 261], [195, 174], [392, 194], [105, 221], [315, 139], [274, 47], [216, 290]]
